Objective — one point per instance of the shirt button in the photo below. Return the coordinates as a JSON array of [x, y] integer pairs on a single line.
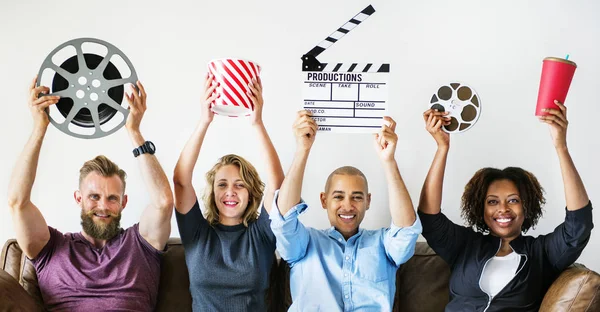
[[346, 296], [339, 240], [347, 258], [345, 274]]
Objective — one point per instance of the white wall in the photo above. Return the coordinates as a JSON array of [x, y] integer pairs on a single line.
[[496, 47]]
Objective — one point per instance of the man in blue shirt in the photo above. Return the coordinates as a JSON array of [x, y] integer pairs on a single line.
[[343, 268]]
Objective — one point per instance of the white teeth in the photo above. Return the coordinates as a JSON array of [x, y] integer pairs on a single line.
[[346, 216], [503, 220], [230, 203]]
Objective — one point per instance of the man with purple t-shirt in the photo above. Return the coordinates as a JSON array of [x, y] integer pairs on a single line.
[[103, 267]]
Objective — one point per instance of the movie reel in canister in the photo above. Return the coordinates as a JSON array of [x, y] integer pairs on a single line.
[[90, 77], [462, 103]]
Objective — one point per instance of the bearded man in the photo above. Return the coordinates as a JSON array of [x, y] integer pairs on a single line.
[[102, 267]]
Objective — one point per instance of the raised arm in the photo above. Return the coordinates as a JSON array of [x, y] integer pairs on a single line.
[[575, 193], [401, 207], [30, 226], [274, 170], [446, 238], [430, 201], [185, 195], [155, 223], [305, 130]]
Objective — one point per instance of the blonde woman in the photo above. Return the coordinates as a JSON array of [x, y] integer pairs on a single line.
[[229, 251]]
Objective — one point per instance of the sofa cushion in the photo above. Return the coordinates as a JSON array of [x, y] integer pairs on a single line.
[[576, 289]]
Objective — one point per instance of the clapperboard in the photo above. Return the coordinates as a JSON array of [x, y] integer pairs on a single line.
[[345, 97]]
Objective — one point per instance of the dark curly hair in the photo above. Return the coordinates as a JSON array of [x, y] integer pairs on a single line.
[[530, 191]]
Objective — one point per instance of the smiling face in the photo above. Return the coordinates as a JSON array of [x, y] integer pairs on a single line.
[[503, 209], [346, 200], [101, 200], [231, 195]]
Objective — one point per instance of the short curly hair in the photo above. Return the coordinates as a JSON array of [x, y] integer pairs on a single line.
[[530, 191]]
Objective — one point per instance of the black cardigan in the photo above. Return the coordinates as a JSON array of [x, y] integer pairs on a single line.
[[543, 258]]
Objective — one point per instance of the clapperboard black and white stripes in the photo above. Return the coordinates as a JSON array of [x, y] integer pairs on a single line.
[[345, 97]]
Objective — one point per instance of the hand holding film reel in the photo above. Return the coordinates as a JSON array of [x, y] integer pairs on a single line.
[[89, 76], [462, 104], [137, 107], [38, 105], [434, 121]]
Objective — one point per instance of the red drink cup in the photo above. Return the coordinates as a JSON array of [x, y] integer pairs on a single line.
[[557, 74], [233, 77]]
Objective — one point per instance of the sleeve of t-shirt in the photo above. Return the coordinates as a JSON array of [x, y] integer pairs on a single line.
[[42, 259], [189, 224], [443, 236], [292, 237], [566, 243], [149, 249], [264, 225], [399, 242]]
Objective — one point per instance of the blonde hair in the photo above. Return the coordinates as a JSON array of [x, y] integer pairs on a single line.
[[103, 166], [251, 181]]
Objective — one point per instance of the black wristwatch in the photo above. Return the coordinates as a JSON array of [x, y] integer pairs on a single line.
[[147, 147]]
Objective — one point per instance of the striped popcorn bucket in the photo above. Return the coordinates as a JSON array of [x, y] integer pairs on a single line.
[[233, 77]]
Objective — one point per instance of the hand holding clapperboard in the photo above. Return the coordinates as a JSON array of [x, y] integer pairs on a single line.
[[349, 98]]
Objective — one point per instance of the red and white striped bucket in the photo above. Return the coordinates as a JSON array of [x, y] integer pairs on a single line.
[[234, 77]]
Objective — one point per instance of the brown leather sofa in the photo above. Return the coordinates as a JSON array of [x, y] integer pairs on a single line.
[[422, 284]]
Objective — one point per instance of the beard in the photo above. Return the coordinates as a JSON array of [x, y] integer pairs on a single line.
[[100, 230]]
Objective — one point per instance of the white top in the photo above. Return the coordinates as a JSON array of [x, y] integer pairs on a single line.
[[498, 272]]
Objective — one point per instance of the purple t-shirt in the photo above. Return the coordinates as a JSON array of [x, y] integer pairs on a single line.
[[73, 275]]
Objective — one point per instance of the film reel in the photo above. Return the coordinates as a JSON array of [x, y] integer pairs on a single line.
[[90, 76], [463, 104]]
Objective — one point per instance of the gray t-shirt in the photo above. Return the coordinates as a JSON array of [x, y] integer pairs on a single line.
[[229, 266], [74, 275]]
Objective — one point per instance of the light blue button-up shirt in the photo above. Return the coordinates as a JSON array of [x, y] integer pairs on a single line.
[[329, 273]]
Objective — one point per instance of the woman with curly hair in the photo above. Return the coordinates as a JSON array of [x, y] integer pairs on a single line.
[[493, 265], [230, 250]]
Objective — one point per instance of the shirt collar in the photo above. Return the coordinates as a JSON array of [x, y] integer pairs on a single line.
[[333, 233], [517, 244]]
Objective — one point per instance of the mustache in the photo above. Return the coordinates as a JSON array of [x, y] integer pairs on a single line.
[[101, 212]]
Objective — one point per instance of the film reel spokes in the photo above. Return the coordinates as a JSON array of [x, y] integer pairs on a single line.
[[90, 76], [461, 102]]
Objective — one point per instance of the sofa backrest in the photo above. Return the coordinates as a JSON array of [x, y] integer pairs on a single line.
[[15, 263], [421, 283], [173, 291]]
